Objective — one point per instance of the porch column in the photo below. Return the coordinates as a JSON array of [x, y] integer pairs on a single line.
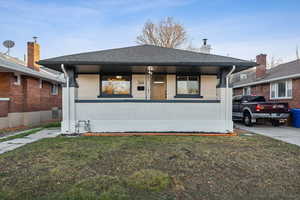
[[226, 100], [69, 95]]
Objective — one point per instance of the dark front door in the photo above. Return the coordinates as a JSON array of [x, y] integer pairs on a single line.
[[158, 87]]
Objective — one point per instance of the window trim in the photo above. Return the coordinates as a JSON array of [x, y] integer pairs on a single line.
[[101, 95], [188, 95], [286, 91], [41, 84], [18, 82]]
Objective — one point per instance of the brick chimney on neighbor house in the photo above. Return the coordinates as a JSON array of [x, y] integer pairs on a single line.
[[33, 54], [261, 69]]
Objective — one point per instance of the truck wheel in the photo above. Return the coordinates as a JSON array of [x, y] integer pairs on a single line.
[[247, 119], [275, 122]]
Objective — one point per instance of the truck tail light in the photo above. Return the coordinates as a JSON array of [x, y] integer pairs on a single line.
[[259, 108]]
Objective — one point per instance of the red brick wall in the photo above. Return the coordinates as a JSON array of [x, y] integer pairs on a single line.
[[16, 95], [28, 96], [4, 84], [237, 91], [264, 90], [48, 100], [32, 94], [3, 108]]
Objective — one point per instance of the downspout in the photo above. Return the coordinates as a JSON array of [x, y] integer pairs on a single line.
[[68, 97], [228, 76], [227, 96]]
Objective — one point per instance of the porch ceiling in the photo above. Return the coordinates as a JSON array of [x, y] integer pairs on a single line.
[[135, 59], [87, 69]]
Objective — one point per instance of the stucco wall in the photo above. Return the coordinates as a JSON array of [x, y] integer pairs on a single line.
[[156, 117], [138, 80], [112, 116], [89, 86]]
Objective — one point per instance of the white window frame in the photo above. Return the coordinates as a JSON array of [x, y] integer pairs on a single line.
[[247, 90], [288, 86], [56, 90]]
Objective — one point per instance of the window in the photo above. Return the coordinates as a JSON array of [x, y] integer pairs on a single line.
[[247, 91], [17, 79], [281, 89], [54, 89], [115, 86], [188, 86]]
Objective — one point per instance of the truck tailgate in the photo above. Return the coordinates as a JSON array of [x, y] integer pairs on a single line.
[[275, 107]]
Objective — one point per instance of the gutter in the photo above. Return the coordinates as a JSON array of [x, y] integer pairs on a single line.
[[268, 80], [68, 97]]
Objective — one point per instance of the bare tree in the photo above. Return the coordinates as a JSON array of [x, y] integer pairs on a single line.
[[167, 33], [274, 62]]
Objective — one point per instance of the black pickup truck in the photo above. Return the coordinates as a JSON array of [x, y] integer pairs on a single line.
[[250, 109]]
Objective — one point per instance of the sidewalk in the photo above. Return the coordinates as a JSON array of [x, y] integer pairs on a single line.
[[287, 134], [16, 143]]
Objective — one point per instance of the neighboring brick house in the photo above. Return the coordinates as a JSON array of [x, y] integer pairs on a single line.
[[29, 94], [280, 83]]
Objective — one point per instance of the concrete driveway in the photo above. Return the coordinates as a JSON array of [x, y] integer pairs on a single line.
[[287, 134]]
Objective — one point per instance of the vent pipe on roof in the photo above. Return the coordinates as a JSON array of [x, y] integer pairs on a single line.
[[205, 48], [204, 42]]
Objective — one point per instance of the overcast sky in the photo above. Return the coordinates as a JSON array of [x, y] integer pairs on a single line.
[[239, 28]]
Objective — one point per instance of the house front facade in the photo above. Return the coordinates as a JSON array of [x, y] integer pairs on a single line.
[[29, 94], [146, 89], [277, 84]]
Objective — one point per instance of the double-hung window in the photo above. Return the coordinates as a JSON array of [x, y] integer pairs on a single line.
[[281, 89], [115, 86], [187, 86]]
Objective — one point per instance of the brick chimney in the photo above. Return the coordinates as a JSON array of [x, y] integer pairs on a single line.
[[261, 69], [33, 55]]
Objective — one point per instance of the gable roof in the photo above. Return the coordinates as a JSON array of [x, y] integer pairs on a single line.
[[7, 64], [283, 71], [146, 55]]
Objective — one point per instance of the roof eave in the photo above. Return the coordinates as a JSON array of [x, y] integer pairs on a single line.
[[268, 80], [33, 75], [221, 64]]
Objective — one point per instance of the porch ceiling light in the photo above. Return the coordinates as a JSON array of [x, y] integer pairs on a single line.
[[150, 69]]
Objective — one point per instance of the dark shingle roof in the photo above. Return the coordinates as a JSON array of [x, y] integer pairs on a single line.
[[146, 55], [283, 70]]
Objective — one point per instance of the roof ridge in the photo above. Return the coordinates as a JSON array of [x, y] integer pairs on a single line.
[[149, 45]]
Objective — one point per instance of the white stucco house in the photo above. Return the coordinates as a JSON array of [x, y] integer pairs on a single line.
[[147, 89]]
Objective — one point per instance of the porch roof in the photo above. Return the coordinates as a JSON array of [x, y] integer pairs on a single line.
[[146, 55]]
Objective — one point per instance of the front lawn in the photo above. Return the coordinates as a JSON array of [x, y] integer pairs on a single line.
[[152, 167]]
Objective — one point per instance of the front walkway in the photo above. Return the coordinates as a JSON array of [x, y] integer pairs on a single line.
[[18, 142], [287, 134]]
